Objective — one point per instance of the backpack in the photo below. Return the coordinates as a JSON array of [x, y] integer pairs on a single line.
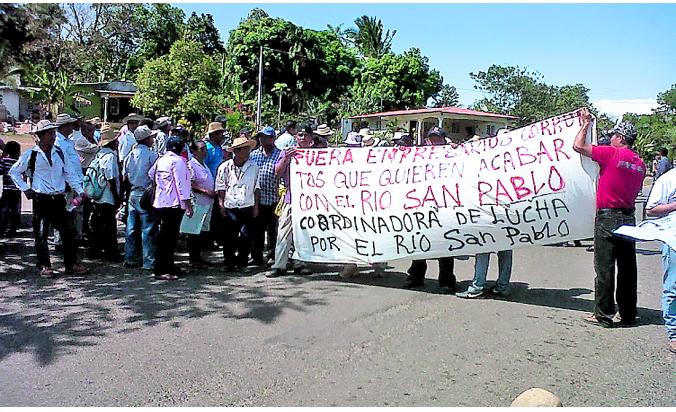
[[34, 155], [94, 182]]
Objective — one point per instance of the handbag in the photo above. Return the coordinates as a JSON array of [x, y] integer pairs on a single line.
[[148, 196]]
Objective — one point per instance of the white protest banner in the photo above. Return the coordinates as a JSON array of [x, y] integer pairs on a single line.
[[662, 229], [368, 205]]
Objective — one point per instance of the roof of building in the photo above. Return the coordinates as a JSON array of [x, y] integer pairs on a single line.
[[448, 110]]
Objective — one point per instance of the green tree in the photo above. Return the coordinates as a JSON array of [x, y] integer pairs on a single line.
[[185, 82], [370, 37], [200, 28], [667, 101], [447, 96], [394, 82], [524, 94], [159, 27]]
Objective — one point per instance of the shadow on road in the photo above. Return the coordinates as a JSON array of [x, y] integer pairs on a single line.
[[53, 317]]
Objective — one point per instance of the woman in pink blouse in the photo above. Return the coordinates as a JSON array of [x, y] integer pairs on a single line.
[[172, 200], [203, 195]]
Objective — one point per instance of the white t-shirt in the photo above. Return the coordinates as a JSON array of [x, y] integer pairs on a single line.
[[239, 183], [663, 191]]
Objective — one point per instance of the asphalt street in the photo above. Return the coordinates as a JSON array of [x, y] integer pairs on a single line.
[[117, 337]]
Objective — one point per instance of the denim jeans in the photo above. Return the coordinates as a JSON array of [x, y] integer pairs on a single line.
[[481, 271], [669, 291], [143, 226]]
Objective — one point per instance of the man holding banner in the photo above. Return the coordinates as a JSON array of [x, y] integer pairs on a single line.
[[620, 181]]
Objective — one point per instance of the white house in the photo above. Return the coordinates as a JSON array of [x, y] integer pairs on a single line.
[[457, 122]]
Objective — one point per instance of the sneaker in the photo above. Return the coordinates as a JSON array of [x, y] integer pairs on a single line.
[[498, 293], [275, 273], [672, 346], [469, 294]]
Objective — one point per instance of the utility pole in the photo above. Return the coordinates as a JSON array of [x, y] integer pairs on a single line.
[[259, 104]]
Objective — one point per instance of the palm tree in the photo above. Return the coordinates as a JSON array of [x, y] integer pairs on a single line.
[[370, 37]]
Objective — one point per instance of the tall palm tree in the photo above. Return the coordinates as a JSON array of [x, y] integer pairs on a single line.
[[370, 38]]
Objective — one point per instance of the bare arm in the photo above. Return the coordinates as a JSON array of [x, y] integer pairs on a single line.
[[661, 210], [580, 145]]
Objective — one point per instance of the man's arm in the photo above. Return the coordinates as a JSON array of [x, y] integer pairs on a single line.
[[580, 144], [661, 210]]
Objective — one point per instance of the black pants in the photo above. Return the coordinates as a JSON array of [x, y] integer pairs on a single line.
[[195, 243], [265, 222], [104, 231], [50, 211], [237, 226], [10, 211], [608, 250], [170, 224], [446, 276], [216, 225]]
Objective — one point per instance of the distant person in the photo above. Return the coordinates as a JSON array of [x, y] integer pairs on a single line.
[[163, 133], [10, 202], [620, 181], [663, 164], [288, 138], [662, 202], [127, 140], [49, 171]]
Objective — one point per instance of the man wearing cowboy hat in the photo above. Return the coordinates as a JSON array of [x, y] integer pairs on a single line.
[[368, 139], [49, 171], [265, 157], [127, 141], [64, 140], [164, 130], [104, 225], [238, 190], [288, 138], [142, 225], [416, 272], [321, 137]]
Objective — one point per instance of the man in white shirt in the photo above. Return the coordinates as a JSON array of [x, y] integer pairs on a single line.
[[127, 141], [65, 141], [164, 130], [104, 226], [288, 138], [238, 198], [49, 170], [662, 202]]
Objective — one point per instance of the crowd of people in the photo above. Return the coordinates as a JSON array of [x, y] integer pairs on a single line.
[[233, 195]]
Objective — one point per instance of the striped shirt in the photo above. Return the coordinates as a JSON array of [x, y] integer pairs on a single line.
[[6, 163]]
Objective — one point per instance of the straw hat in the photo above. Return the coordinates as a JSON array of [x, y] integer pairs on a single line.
[[64, 118], [215, 127], [108, 135], [163, 121], [370, 140], [132, 118], [323, 130], [43, 126], [241, 142]]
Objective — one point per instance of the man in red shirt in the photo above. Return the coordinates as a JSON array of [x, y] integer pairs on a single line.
[[620, 181]]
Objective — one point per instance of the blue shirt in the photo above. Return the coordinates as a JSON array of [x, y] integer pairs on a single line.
[[214, 157], [135, 167], [267, 181]]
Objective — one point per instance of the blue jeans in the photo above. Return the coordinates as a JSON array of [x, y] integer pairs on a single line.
[[143, 226], [669, 291], [481, 271]]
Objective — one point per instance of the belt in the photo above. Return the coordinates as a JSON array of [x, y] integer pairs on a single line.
[[49, 196], [624, 211]]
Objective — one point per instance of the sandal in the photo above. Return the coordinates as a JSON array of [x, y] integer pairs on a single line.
[[591, 318], [46, 273], [166, 276]]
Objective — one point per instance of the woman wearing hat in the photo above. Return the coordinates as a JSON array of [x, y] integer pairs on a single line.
[[172, 199], [104, 225], [238, 197]]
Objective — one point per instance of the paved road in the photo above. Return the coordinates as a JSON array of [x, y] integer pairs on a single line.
[[118, 338]]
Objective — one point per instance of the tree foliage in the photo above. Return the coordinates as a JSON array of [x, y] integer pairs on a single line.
[[370, 37], [447, 96], [182, 83]]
